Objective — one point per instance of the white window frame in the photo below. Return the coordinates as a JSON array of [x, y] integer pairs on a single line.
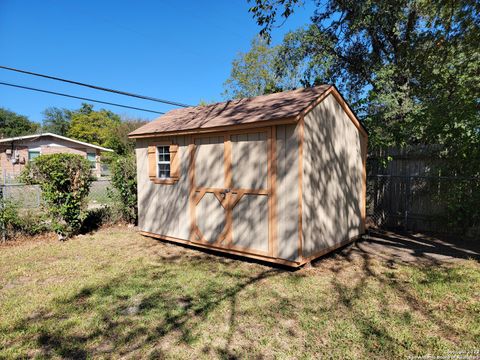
[[36, 151], [163, 162]]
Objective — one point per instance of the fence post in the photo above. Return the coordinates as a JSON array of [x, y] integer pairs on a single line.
[[407, 203]]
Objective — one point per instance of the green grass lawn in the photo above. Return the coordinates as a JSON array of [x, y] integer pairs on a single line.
[[117, 294]]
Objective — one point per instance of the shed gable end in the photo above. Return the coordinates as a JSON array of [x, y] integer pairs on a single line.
[[334, 154]]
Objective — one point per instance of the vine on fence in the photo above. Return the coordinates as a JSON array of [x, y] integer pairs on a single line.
[[124, 180]]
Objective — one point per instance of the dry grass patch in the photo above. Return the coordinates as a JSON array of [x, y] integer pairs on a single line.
[[115, 293]]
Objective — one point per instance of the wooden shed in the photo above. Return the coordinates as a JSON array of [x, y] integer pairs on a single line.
[[277, 177]]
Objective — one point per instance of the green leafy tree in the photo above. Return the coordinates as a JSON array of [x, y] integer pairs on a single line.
[[65, 182], [94, 127], [56, 120], [13, 124], [401, 64], [255, 72], [411, 71], [118, 135]]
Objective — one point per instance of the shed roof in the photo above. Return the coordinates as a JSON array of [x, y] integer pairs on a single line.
[[287, 104]]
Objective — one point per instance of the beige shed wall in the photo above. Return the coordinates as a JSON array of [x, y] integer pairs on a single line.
[[163, 209], [287, 191], [332, 178]]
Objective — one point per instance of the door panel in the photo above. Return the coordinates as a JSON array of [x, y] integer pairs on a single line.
[[250, 223], [249, 161], [210, 216], [209, 162], [231, 192]]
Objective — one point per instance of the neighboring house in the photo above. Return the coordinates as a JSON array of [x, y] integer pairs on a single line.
[[15, 152], [278, 177]]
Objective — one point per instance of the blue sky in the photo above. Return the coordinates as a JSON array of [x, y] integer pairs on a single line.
[[175, 50]]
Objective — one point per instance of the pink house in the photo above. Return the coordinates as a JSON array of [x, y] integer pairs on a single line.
[[15, 152]]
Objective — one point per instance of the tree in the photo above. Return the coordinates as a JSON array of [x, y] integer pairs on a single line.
[[410, 69], [94, 127], [254, 72], [403, 65], [118, 138], [56, 120], [13, 124]]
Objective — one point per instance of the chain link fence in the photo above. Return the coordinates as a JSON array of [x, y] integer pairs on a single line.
[[30, 196]]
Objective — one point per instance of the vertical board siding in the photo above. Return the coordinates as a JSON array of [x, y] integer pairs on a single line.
[[332, 178], [250, 223], [210, 215], [209, 162], [163, 209], [287, 192], [249, 161]]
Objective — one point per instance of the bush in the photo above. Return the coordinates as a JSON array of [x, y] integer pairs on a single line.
[[96, 218], [124, 180], [65, 182], [28, 223]]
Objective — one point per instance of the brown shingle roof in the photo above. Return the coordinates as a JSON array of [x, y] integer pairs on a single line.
[[235, 112]]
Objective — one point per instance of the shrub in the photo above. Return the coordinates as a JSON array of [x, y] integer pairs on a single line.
[[95, 218], [124, 180], [65, 182], [29, 222]]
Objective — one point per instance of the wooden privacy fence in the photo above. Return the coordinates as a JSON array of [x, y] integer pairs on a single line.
[[418, 202], [415, 191]]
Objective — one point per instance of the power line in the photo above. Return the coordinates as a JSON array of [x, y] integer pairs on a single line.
[[78, 97], [96, 87]]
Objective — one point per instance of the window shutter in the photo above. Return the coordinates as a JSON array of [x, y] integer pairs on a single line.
[[152, 161], [174, 162]]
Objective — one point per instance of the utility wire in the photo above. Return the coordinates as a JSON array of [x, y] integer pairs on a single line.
[[174, 103], [78, 97]]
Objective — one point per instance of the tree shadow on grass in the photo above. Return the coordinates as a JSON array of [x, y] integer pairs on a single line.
[[136, 311], [378, 336]]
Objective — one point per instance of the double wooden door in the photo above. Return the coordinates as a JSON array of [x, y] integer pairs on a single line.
[[231, 192]]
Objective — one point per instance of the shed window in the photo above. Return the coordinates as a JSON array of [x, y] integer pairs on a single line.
[[33, 154], [163, 162]]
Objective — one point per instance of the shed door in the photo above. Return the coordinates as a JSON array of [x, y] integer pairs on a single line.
[[231, 190]]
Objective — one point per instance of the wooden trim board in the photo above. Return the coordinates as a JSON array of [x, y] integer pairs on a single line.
[[248, 254], [273, 192], [220, 129], [232, 251], [329, 249], [301, 138], [227, 154]]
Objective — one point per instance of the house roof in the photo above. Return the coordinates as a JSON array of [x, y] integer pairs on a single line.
[[283, 105], [36, 136]]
